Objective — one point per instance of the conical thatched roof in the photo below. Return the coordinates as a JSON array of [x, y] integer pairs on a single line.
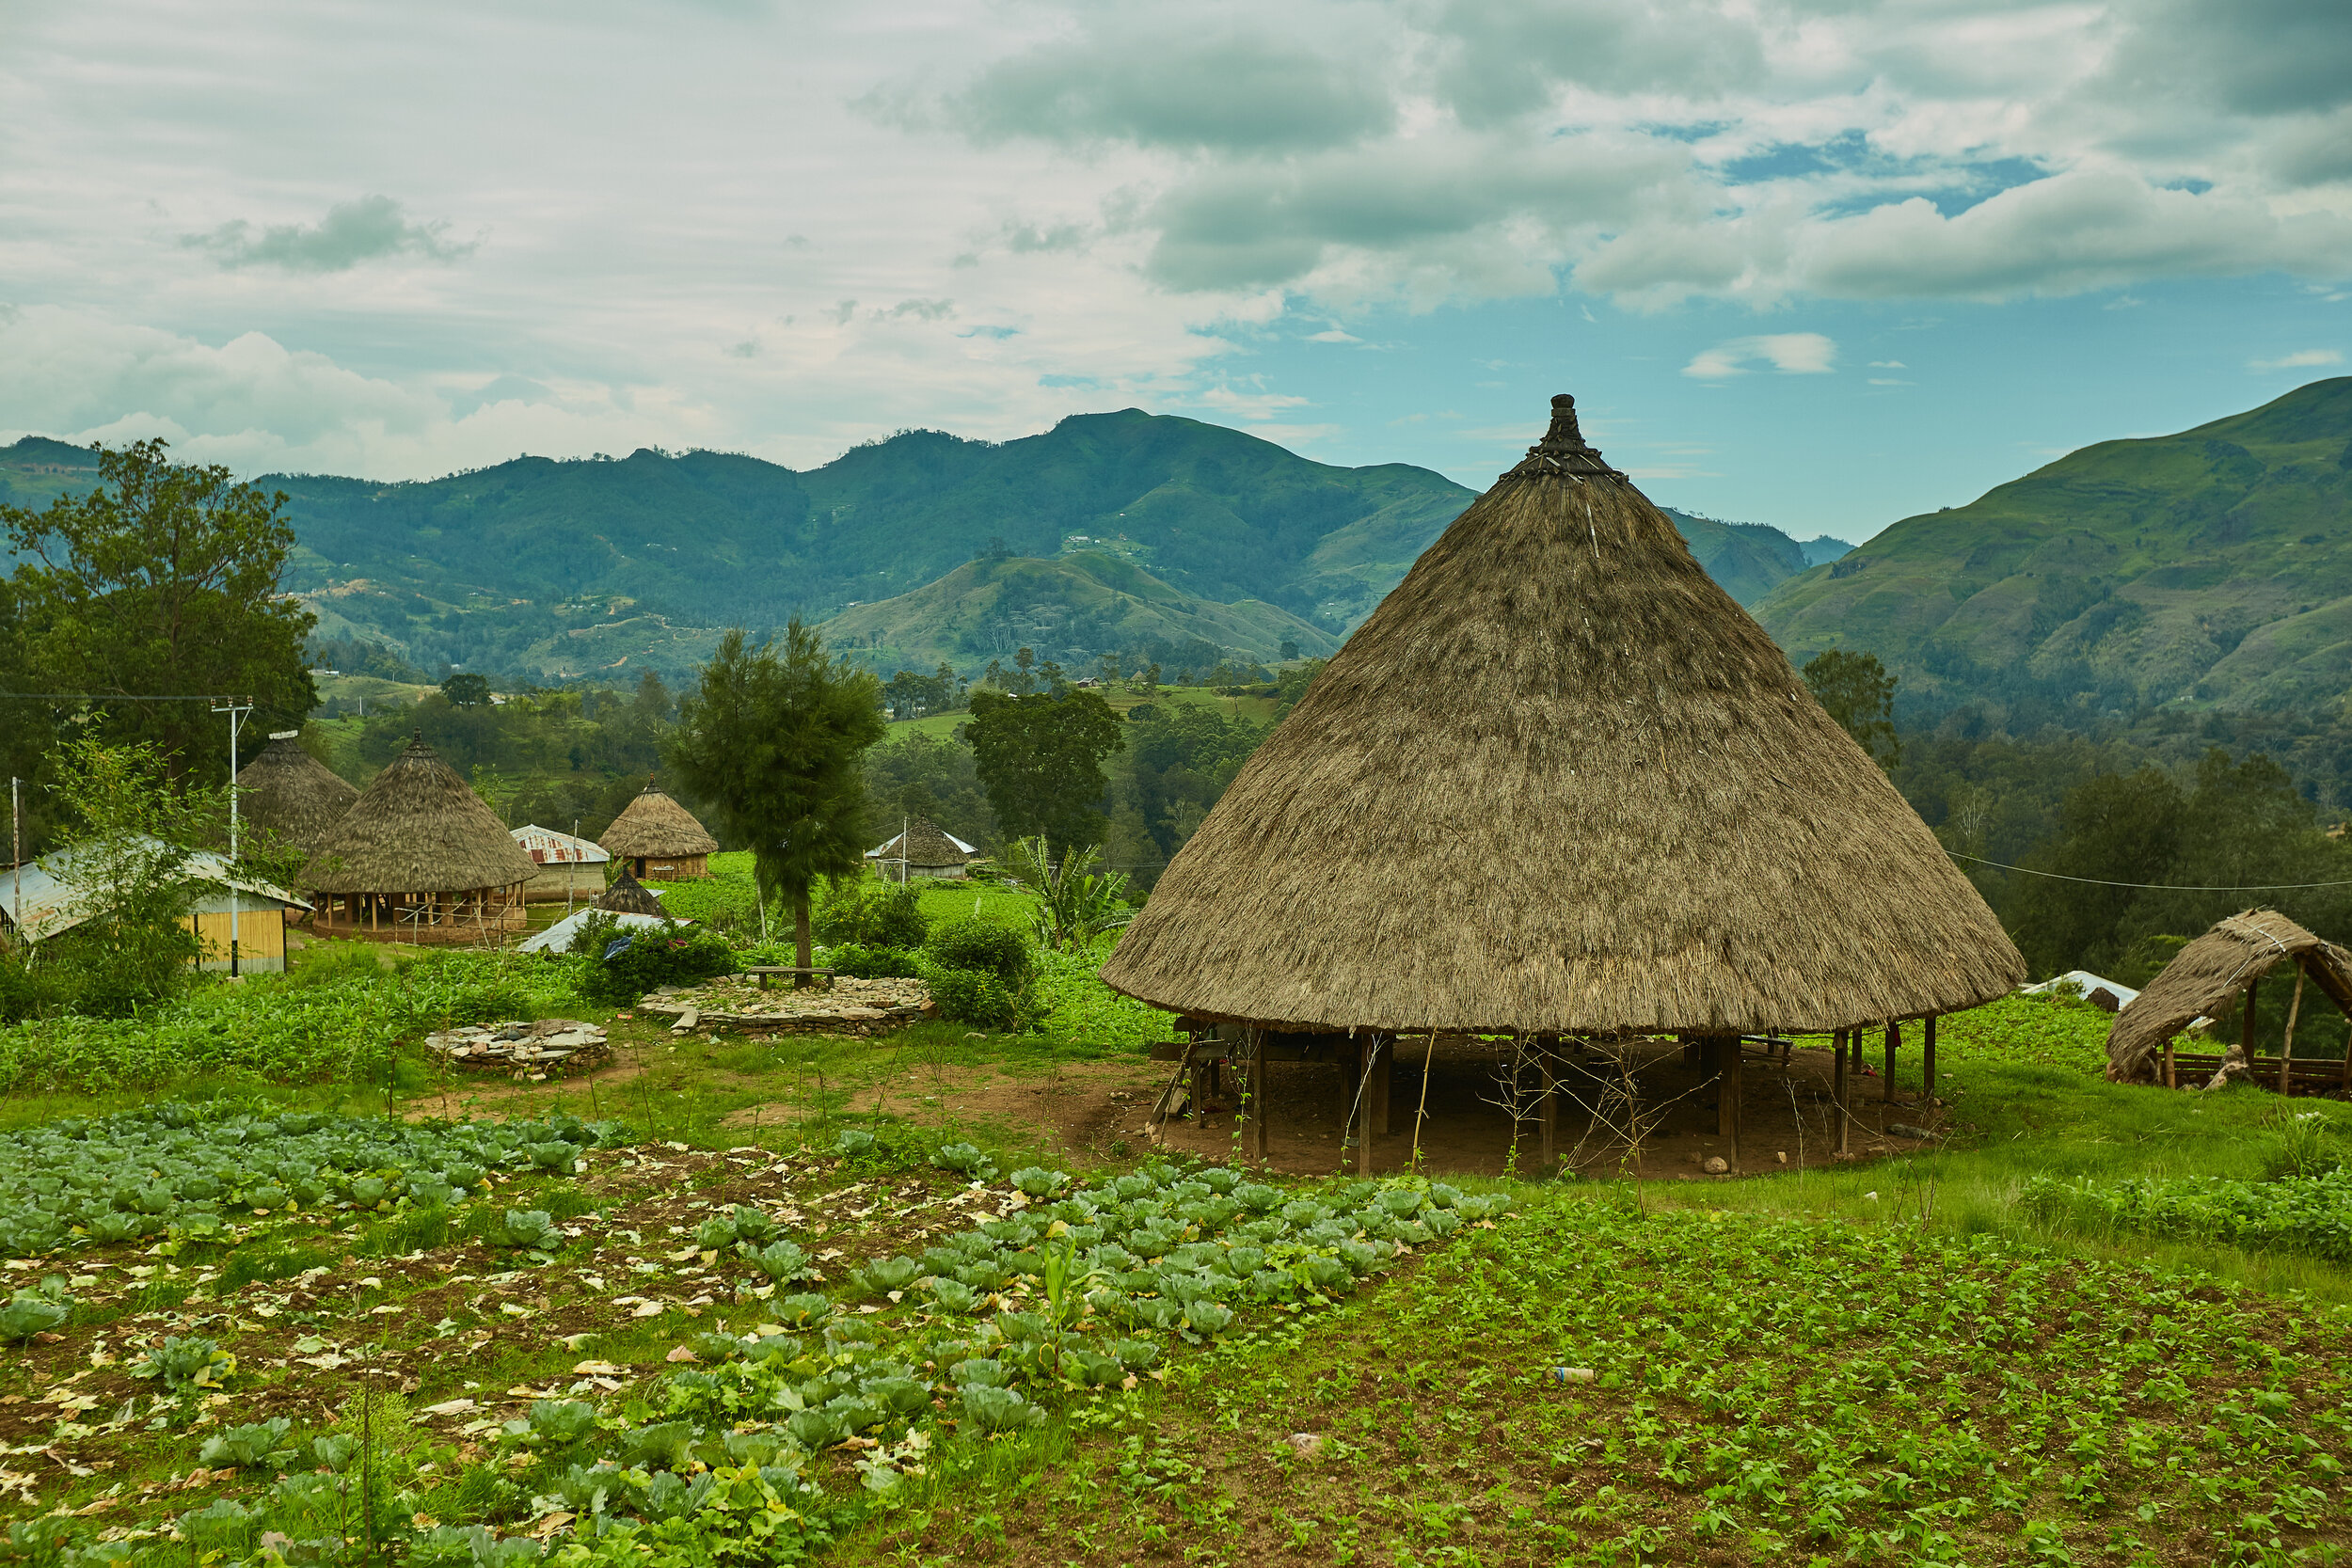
[[291, 793], [416, 829], [655, 824], [628, 896], [2205, 979], [1560, 781], [926, 845]]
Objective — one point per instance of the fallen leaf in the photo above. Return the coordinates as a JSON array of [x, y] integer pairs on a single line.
[[596, 1369], [451, 1408], [681, 1353]]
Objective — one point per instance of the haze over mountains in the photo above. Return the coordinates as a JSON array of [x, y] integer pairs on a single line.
[[1128, 532]]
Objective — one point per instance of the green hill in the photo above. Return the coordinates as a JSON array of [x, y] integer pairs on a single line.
[[2211, 568]]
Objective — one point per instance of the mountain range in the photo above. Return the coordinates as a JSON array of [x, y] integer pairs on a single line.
[[2211, 568], [1124, 532]]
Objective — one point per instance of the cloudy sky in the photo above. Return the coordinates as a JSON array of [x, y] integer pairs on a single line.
[[1820, 265]]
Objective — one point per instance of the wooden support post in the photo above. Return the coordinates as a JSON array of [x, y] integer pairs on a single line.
[[1548, 1062], [1367, 1061], [1260, 1102], [1727, 1096], [2286, 1047], [1894, 1038], [1837, 1088], [2172, 1079], [1376, 1098], [1927, 1060]]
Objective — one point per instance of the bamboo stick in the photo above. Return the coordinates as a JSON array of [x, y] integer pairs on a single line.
[[2286, 1047]]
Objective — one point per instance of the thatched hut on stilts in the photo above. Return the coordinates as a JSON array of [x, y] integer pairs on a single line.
[[418, 858], [1559, 788], [291, 795], [659, 839]]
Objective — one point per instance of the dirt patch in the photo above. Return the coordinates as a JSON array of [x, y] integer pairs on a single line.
[[1787, 1120], [1078, 1106]]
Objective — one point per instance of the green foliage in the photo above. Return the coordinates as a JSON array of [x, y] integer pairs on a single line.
[[284, 1029], [874, 963], [183, 1363], [161, 578], [1075, 1005], [771, 737], [1855, 690], [2307, 1214], [983, 945], [615, 964], [1039, 756], [1075, 903], [34, 1311], [871, 912]]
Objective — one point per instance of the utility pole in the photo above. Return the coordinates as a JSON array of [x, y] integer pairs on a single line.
[[236, 713], [16, 866]]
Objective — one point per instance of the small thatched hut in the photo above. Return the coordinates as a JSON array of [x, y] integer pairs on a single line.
[[628, 896], [289, 794], [418, 858], [660, 839], [921, 849], [2205, 979], [1560, 784]]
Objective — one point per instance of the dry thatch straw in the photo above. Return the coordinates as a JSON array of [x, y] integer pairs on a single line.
[[628, 896], [1561, 782], [2205, 979], [927, 849], [289, 794], [656, 826], [418, 829]]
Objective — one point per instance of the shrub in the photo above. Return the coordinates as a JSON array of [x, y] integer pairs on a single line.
[[983, 945], [977, 997], [873, 914], [862, 962], [617, 965]]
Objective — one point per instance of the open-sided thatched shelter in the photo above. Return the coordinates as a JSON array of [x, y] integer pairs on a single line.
[[628, 896], [2206, 979], [289, 794], [660, 839], [418, 858], [1560, 784], [921, 848]]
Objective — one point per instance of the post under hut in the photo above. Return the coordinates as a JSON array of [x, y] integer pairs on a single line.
[[1561, 788]]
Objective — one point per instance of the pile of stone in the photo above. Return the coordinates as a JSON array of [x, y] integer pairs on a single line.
[[846, 1007], [531, 1050]]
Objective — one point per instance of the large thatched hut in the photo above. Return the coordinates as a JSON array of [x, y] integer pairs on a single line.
[[418, 858], [2221, 974], [660, 839], [289, 794], [1559, 786]]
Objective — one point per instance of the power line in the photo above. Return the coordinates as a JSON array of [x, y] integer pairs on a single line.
[[2154, 887], [112, 697]]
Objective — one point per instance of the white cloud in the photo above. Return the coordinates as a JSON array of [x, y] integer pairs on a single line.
[[1790, 353], [2302, 359]]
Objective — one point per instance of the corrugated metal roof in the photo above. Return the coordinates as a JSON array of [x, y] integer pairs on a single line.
[[48, 894], [549, 847]]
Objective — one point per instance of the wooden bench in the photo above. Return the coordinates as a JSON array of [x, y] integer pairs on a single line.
[[799, 976]]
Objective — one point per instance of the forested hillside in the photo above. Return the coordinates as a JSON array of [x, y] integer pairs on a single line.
[[2209, 568]]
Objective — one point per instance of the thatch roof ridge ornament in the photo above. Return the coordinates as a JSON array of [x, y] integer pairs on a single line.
[[292, 794], [1560, 781], [417, 828], [654, 825]]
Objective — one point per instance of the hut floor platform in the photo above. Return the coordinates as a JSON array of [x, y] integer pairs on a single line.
[[1785, 1109]]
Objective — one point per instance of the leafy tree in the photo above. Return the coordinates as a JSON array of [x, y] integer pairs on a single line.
[[162, 580], [467, 690], [928, 776], [1857, 691], [126, 839], [1039, 757], [2115, 829], [1075, 902], [773, 739]]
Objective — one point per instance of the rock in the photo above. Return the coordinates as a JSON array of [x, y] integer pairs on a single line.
[[1904, 1130], [1716, 1165], [1307, 1444], [687, 1021]]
